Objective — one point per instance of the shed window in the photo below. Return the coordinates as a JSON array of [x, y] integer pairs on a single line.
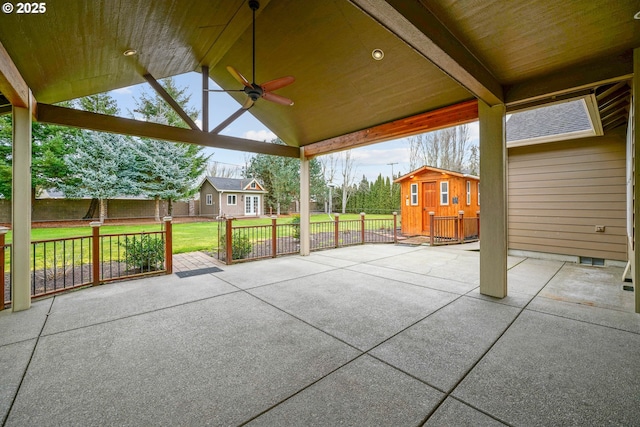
[[209, 199], [252, 185], [414, 194], [444, 193], [478, 194], [232, 199], [468, 192]]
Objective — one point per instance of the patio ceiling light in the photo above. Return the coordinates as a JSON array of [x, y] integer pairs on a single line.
[[377, 54], [637, 15], [130, 52]]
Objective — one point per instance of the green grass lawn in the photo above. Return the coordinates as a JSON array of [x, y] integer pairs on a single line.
[[187, 237]]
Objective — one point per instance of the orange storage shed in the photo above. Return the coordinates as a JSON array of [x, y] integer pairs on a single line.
[[444, 192]]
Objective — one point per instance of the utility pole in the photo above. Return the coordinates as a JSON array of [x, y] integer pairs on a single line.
[[391, 164], [391, 186]]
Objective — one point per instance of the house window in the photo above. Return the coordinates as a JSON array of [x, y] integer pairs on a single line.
[[468, 192], [252, 185], [444, 193], [232, 200], [209, 199], [414, 194]]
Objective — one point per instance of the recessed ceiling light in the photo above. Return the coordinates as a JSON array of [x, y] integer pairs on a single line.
[[377, 54], [637, 15], [130, 52]]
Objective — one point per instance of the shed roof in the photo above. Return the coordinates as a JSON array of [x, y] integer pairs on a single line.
[[424, 169], [235, 184], [547, 121]]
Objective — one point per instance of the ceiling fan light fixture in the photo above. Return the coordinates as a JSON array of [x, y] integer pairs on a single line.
[[130, 52], [377, 54]]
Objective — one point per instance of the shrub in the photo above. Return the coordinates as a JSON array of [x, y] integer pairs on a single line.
[[145, 252], [296, 226], [241, 246]]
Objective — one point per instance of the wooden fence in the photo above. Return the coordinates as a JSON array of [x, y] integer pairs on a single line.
[[447, 230], [58, 265]]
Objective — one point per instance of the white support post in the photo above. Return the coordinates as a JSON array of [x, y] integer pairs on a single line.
[[305, 209], [21, 210], [493, 183], [635, 271]]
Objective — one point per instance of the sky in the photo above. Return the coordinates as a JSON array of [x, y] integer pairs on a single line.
[[370, 161]]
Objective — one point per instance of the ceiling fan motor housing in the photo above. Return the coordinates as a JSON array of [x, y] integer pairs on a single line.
[[254, 92]]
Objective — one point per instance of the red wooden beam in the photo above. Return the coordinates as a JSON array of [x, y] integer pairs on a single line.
[[454, 115]]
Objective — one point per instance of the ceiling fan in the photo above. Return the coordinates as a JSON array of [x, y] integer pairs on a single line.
[[253, 90]]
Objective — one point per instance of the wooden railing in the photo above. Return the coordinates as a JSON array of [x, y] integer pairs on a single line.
[[59, 265], [243, 243], [447, 230]]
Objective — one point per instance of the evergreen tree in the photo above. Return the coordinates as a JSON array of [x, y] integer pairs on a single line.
[[281, 178], [100, 103], [102, 168], [167, 170], [49, 144]]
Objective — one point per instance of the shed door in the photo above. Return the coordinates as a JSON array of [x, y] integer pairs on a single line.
[[429, 202]]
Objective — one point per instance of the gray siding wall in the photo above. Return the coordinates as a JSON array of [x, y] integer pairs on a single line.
[[558, 193], [205, 209]]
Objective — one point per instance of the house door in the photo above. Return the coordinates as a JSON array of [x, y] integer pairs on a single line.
[[429, 203], [252, 205]]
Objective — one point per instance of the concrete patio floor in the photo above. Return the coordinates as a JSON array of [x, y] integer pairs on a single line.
[[369, 335]]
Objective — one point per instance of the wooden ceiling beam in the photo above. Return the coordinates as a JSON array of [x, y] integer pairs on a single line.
[[103, 123], [614, 105], [584, 76], [454, 115], [605, 93], [413, 23], [12, 85], [169, 100], [613, 98]]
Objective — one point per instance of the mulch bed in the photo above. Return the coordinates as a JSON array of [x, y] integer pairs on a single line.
[[47, 281]]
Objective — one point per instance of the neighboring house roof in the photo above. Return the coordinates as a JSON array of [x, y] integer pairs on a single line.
[[432, 169], [550, 123], [238, 185]]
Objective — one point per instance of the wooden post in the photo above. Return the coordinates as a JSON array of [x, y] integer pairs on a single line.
[[493, 175], [229, 242], [274, 237], [362, 227], [432, 223], [461, 226], [336, 230], [305, 204], [635, 143], [95, 252], [168, 245], [21, 209], [395, 227], [3, 231]]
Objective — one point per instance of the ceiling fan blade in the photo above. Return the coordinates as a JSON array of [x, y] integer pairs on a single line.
[[277, 98], [277, 83], [247, 104], [239, 77]]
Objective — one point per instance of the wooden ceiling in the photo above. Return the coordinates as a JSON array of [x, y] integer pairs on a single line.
[[438, 54]]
